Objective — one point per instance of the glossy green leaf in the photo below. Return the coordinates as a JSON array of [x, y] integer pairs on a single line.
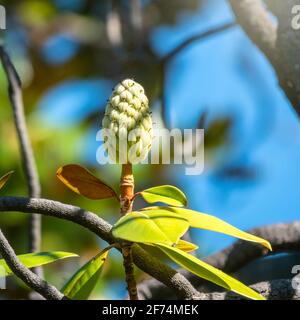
[[31, 260], [82, 283], [165, 194], [160, 255], [155, 252], [208, 272], [150, 227], [5, 178], [208, 222]]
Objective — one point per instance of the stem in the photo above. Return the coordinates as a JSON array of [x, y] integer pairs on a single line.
[[126, 189], [126, 196]]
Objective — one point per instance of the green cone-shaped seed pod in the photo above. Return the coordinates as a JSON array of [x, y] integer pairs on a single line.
[[128, 119]]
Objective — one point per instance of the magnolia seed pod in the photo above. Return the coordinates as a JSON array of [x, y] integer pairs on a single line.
[[127, 123]]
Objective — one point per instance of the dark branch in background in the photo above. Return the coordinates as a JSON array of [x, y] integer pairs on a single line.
[[281, 289], [283, 237], [197, 37], [177, 50], [28, 161], [280, 44], [163, 93], [31, 279]]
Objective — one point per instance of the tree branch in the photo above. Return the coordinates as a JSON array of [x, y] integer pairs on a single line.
[[257, 23], [30, 278], [197, 37], [59, 210], [28, 161], [280, 44], [149, 264], [281, 289]]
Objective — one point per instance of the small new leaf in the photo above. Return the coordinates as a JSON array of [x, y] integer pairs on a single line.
[[31, 260], [5, 178], [83, 182], [186, 246], [82, 283], [208, 272], [165, 194]]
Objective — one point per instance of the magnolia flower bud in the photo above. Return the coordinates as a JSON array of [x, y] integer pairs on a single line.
[[128, 120]]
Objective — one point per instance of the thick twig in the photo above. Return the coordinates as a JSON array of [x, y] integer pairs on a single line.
[[281, 289], [31, 279], [126, 189], [257, 23], [283, 237], [126, 196], [149, 264], [59, 210], [280, 44], [28, 161]]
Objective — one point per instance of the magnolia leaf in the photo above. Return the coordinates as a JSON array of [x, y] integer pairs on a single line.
[[82, 283], [83, 182], [158, 254], [150, 227], [208, 272], [186, 246], [166, 194], [31, 260], [155, 252], [204, 221], [5, 178]]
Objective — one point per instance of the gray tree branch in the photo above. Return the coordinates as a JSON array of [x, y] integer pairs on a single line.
[[28, 161], [152, 266], [30, 278], [280, 43], [281, 289]]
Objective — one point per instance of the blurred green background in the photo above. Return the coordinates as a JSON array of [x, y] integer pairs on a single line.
[[70, 54]]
